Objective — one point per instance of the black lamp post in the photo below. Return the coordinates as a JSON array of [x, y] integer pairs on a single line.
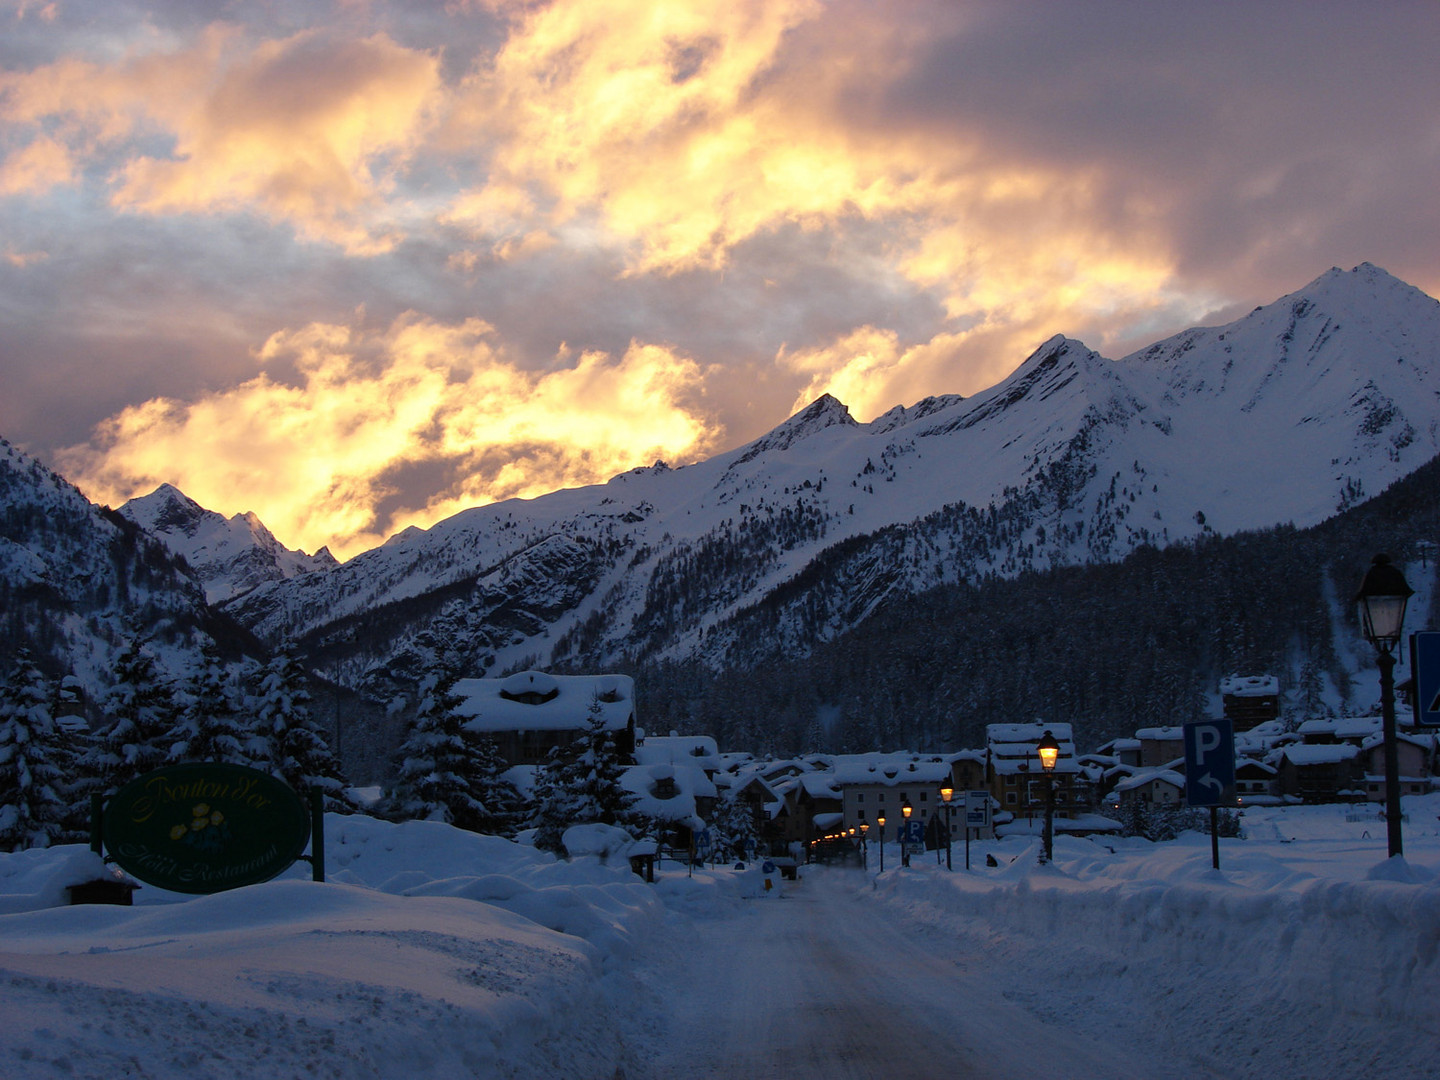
[[905, 811], [881, 822], [1049, 751], [1382, 599], [946, 794], [864, 847]]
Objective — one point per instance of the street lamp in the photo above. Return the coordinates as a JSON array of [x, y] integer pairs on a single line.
[[946, 794], [1049, 751], [881, 822], [864, 847], [1382, 599], [905, 811]]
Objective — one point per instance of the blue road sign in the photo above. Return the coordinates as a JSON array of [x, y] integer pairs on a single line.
[[1210, 763], [1425, 663], [977, 809]]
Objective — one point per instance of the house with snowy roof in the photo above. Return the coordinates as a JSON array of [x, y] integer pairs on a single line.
[[1154, 787], [1248, 700], [1014, 776], [879, 785], [530, 713], [1160, 745], [678, 797]]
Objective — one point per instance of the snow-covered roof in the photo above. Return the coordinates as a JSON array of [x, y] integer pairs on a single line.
[[1012, 747], [539, 701], [1320, 753], [1160, 734], [1250, 686], [685, 783], [676, 749], [1150, 776], [891, 769]]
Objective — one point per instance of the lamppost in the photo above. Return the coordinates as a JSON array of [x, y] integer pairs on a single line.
[[1049, 751], [946, 794], [864, 847], [905, 811], [881, 822], [1382, 598]]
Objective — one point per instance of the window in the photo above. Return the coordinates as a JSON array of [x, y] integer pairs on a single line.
[[860, 797], [1010, 797], [923, 796]]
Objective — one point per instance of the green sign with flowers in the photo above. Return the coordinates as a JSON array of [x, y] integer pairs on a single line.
[[204, 828]]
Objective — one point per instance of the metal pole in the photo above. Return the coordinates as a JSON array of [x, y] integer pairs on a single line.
[[1049, 817], [967, 843], [1215, 837], [948, 813], [1392, 759]]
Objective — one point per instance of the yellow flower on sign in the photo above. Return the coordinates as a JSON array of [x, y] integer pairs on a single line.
[[177, 831], [216, 818], [201, 810]]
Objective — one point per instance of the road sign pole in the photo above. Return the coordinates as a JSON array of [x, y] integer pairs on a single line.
[[1215, 837]]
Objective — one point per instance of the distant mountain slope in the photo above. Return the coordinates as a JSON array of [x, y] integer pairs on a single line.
[[76, 580], [230, 555], [1288, 415]]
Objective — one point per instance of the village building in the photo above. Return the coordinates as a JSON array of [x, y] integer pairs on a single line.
[[530, 713], [1250, 700]]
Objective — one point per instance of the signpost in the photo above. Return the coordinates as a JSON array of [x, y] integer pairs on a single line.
[[1210, 772], [977, 816], [1425, 663], [204, 828]]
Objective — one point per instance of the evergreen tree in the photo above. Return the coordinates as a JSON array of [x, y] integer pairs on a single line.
[[139, 733], [210, 727], [31, 807], [580, 785], [736, 836], [287, 741], [438, 760]]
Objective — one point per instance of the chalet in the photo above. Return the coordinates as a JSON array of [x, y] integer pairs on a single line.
[[881, 785], [531, 712], [1155, 787], [1160, 745], [1013, 773], [1255, 782], [1321, 772], [1249, 700]]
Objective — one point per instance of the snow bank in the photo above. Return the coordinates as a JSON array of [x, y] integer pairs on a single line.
[[1254, 969]]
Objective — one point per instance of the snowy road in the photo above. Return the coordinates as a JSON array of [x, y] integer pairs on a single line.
[[822, 984]]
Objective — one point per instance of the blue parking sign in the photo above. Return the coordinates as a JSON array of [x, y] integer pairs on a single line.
[[1425, 663], [1209, 763]]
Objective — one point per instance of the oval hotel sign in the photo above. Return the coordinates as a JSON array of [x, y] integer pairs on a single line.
[[204, 828]]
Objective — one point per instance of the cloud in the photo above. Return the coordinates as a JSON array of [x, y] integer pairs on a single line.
[[309, 130], [311, 453]]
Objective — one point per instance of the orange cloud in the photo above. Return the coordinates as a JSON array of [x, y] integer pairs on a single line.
[[311, 456], [306, 130]]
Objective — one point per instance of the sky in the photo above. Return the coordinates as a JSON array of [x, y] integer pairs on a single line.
[[358, 265]]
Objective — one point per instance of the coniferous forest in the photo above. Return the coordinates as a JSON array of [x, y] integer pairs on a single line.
[[1107, 648]]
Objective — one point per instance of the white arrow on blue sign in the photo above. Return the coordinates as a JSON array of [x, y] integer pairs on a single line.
[[1210, 763], [1425, 663]]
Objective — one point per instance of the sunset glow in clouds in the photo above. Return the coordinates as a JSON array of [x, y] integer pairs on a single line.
[[358, 266]]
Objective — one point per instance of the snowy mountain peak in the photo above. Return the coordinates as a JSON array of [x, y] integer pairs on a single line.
[[230, 555], [824, 412]]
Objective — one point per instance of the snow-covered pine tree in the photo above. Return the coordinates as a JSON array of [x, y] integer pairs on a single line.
[[31, 807], [580, 785], [287, 741], [211, 727], [139, 732], [734, 828], [438, 759]]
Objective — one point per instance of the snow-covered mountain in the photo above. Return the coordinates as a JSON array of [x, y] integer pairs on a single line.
[[230, 555], [77, 581], [1287, 415]]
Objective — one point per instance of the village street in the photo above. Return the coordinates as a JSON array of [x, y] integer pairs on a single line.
[[821, 982]]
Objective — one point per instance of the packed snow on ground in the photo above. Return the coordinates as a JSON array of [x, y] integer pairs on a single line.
[[431, 952]]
